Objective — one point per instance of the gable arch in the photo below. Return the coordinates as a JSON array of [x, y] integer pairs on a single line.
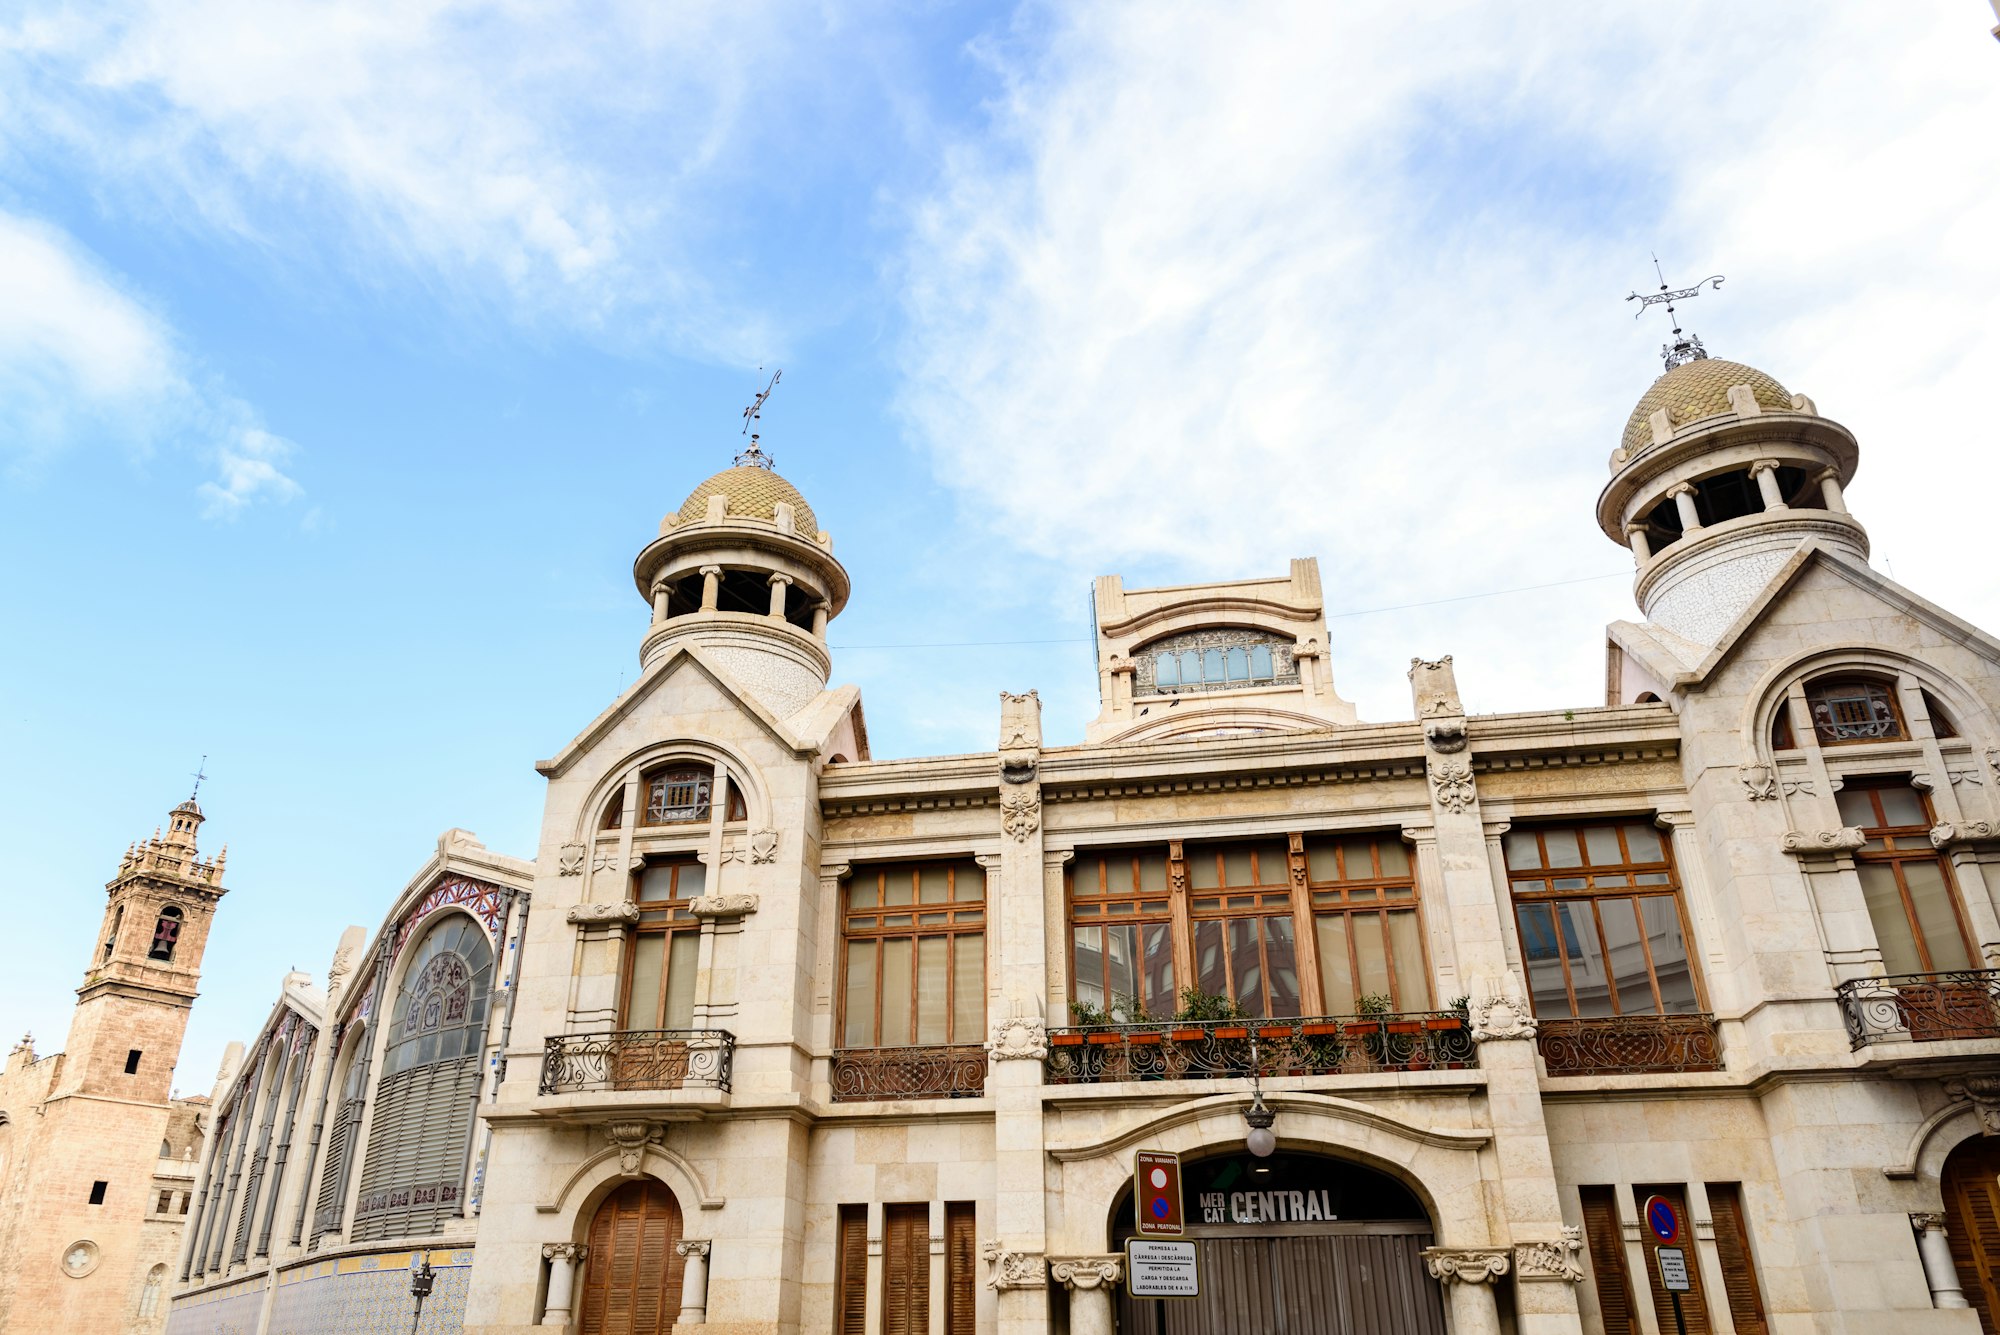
[[597, 1177], [1969, 714], [744, 778]]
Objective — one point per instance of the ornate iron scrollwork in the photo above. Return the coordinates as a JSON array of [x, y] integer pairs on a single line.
[[909, 1073], [1629, 1044], [1922, 1007], [638, 1059], [1221, 1049]]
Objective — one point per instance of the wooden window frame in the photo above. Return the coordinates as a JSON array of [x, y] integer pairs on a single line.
[[954, 927], [1888, 687], [1263, 898], [670, 917], [1381, 907], [1594, 895], [1905, 844], [658, 774], [1100, 905]]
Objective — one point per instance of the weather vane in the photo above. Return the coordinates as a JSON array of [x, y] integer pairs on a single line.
[[200, 773], [1686, 347], [754, 457]]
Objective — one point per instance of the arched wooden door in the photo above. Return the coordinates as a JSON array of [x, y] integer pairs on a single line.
[[632, 1277], [1972, 1223]]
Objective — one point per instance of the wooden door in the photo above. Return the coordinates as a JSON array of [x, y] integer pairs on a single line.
[[906, 1269], [632, 1277], [1972, 1224]]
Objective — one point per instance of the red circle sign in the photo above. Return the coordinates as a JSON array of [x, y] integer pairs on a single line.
[[1663, 1221]]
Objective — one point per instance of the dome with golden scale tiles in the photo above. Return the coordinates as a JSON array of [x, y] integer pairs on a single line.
[[753, 493], [1699, 389]]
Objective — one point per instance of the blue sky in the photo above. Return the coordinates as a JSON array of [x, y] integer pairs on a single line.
[[348, 354]]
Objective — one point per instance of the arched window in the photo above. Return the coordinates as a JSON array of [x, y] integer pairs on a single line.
[[149, 1297], [1782, 738], [1941, 724], [1845, 710], [412, 1175], [680, 795], [166, 934], [111, 939], [1209, 660]]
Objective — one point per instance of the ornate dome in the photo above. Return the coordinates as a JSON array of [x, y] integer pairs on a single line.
[[753, 493], [1696, 390]]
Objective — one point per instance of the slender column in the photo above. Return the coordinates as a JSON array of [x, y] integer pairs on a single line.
[[563, 1259], [935, 1325], [871, 1311], [260, 1159], [1693, 868], [1641, 548], [1766, 473], [326, 1049], [228, 1216], [1684, 502], [1468, 1276], [1934, 1249], [660, 592], [1829, 490], [212, 1150], [711, 587], [1090, 1280], [300, 1063], [694, 1283], [820, 614], [780, 584]]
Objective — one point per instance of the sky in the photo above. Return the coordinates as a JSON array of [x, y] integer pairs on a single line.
[[349, 353]]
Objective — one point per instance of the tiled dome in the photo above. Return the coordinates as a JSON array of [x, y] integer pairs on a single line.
[[1696, 390], [753, 493]]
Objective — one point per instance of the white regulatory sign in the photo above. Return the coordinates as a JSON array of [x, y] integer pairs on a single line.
[[1156, 1269], [1674, 1269]]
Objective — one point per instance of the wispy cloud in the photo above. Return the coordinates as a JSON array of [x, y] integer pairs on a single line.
[[1217, 288], [81, 359]]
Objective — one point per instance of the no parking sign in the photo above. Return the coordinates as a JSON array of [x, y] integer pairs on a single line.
[[1156, 1194]]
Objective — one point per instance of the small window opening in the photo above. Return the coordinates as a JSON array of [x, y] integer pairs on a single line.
[[1850, 710], [1663, 524], [166, 1203], [614, 811], [166, 934], [97, 1190], [1799, 490], [684, 596], [166, 1152], [1781, 728], [744, 591], [799, 606], [132, 1062], [1941, 724], [1727, 496], [186, 1196], [111, 941]]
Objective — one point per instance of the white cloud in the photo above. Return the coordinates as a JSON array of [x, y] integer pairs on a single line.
[[1218, 287], [82, 360]]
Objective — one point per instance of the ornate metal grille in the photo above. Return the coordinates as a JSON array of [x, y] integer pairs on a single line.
[[1853, 711], [1220, 1050], [1224, 659], [638, 1059], [677, 795], [1922, 1007], [957, 1072], [1629, 1044]]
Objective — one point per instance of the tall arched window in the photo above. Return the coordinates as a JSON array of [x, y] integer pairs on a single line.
[[111, 938], [149, 1297], [166, 934], [412, 1175]]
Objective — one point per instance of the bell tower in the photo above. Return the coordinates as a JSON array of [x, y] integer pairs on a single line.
[[132, 1009]]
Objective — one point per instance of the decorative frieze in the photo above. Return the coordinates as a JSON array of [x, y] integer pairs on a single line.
[[1013, 1270], [570, 859], [1499, 1019], [1561, 1259], [1087, 1272], [1466, 1265], [1983, 1093]]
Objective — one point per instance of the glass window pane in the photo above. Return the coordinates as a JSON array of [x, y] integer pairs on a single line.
[[1857, 807], [968, 883], [1902, 806], [1087, 965], [1661, 917], [1321, 864], [1371, 954], [1629, 975], [1336, 977], [1931, 897], [1413, 984], [1239, 665], [858, 1030], [1643, 842], [1236, 866], [1282, 965], [1600, 842], [1201, 868], [1245, 967], [896, 989], [1159, 970], [1190, 668], [1274, 864], [656, 883], [1358, 857], [1588, 977], [933, 989], [1166, 670], [682, 967], [1211, 968], [1153, 872], [1260, 662], [1121, 951], [1523, 854], [1395, 858], [1211, 666], [642, 1009], [1892, 924], [861, 891], [968, 988], [933, 885], [692, 878], [896, 888], [1563, 848]]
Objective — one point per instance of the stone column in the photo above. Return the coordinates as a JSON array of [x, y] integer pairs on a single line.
[[1829, 490], [1693, 866], [1635, 534], [1934, 1249], [939, 1297], [1766, 473], [711, 587], [563, 1258], [779, 584], [1090, 1280], [1683, 497], [660, 592], [820, 613], [1468, 1275], [694, 1283]]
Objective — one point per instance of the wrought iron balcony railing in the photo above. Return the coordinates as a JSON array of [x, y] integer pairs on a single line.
[[908, 1073], [1629, 1044], [1221, 1049], [1921, 1007], [638, 1059]]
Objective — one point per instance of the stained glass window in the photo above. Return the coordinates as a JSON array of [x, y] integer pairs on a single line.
[[1853, 711]]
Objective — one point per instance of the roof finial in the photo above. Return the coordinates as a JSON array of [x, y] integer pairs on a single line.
[[754, 457], [200, 773], [1686, 347]]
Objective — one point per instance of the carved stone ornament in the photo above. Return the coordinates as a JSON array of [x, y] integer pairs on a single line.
[[693, 1247], [630, 1140], [764, 847], [1949, 833], [1500, 1018], [1087, 1272], [1018, 1038], [336, 972], [573, 1252], [723, 906], [1013, 1270], [1020, 814], [1983, 1093], [1466, 1265], [605, 861], [1453, 782], [1931, 1222], [1759, 781], [1020, 736], [1435, 687], [1551, 1260], [569, 859], [1445, 735], [1824, 843], [594, 915]]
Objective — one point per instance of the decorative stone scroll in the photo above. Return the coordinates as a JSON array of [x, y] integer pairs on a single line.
[[630, 1140], [693, 1247], [1561, 1259], [1957, 834], [596, 915], [564, 1251], [1983, 1093], [1823, 843], [1087, 1272], [1019, 1038], [1453, 782], [1020, 813], [1013, 1270], [1466, 1265], [723, 906], [570, 858]]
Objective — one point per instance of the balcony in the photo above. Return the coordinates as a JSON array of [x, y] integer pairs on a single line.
[[1629, 1044], [1921, 1007], [908, 1073], [638, 1059], [1227, 1049]]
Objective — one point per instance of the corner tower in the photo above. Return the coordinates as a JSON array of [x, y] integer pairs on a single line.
[[1721, 475], [743, 571]]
